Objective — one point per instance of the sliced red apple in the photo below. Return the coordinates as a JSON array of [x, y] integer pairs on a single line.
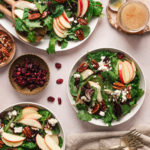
[[31, 122], [12, 138], [12, 144], [64, 22], [126, 73], [51, 143], [120, 71], [41, 143], [55, 138], [62, 35], [130, 70], [85, 7], [33, 116], [134, 68], [80, 8], [29, 110], [59, 24], [57, 27]]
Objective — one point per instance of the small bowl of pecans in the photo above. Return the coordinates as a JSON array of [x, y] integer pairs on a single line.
[[7, 48], [29, 74]]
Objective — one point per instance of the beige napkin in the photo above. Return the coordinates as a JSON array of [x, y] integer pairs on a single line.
[[105, 140]]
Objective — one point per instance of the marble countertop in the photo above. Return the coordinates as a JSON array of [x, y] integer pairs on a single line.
[[104, 36]]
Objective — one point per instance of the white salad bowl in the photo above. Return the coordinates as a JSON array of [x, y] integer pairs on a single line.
[[134, 110], [24, 104]]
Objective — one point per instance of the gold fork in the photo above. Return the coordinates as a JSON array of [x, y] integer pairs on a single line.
[[131, 140]]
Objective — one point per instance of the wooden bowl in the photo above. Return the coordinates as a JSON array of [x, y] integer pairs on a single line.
[[13, 51], [20, 60]]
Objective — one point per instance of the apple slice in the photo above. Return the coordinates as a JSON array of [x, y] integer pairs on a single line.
[[85, 7], [51, 143], [80, 8], [120, 71], [55, 138], [130, 70], [31, 122], [12, 144], [65, 16], [126, 73], [40, 142], [12, 138], [62, 35], [134, 68], [63, 21], [60, 25], [33, 116], [29, 110]]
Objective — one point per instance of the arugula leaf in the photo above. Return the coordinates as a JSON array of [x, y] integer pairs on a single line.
[[51, 48], [73, 89], [41, 7], [33, 24], [26, 13], [48, 21], [97, 8], [20, 26], [29, 145], [64, 44], [60, 141], [58, 11], [31, 36], [82, 107], [84, 115]]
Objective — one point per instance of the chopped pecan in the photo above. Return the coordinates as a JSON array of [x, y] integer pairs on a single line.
[[5, 52], [95, 108], [83, 67], [95, 64], [118, 86], [103, 106], [79, 34], [44, 14], [27, 132], [82, 21], [34, 16], [128, 96]]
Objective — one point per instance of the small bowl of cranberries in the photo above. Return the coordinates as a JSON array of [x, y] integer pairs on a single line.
[[29, 74]]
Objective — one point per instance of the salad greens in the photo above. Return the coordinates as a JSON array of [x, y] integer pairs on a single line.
[[102, 90], [19, 122], [59, 31]]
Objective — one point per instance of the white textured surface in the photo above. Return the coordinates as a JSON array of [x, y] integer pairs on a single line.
[[104, 36]]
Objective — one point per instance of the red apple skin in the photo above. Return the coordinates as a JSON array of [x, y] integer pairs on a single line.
[[82, 15], [80, 8], [65, 17], [59, 24], [57, 27], [120, 71]]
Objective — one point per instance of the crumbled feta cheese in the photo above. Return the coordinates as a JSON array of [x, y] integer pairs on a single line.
[[76, 75], [84, 98], [75, 21], [124, 95], [12, 125], [18, 129], [53, 121], [103, 66], [101, 113], [117, 93], [89, 110], [71, 19], [12, 113], [103, 57]]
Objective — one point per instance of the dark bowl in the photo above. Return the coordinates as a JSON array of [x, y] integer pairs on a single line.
[[20, 60]]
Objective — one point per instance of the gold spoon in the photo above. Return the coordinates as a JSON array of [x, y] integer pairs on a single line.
[[40, 32]]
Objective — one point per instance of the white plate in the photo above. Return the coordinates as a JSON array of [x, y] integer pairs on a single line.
[[43, 45], [128, 116], [24, 104]]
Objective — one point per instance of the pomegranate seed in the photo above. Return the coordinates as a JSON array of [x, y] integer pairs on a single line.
[[59, 101], [51, 99], [59, 81], [58, 65], [13, 25]]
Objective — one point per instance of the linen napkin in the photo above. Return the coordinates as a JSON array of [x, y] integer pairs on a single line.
[[105, 140]]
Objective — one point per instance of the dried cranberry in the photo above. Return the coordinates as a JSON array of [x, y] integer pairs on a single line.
[[59, 81], [120, 55], [106, 60], [59, 101], [49, 3], [30, 11], [117, 110], [58, 65], [51, 99]]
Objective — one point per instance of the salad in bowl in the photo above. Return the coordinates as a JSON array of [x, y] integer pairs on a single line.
[[61, 20], [106, 87], [29, 126]]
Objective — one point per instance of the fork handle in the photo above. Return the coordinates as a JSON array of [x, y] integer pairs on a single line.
[[6, 12], [10, 2], [145, 139]]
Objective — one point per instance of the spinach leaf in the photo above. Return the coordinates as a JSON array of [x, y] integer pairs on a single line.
[[20, 26], [31, 36], [84, 115], [1, 15], [51, 48], [73, 89], [58, 11], [26, 13], [29, 145], [33, 24], [64, 44], [41, 7], [48, 21], [60, 141], [82, 107], [97, 8], [56, 130]]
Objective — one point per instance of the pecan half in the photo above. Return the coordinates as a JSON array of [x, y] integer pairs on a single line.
[[34, 16], [95, 108], [82, 21], [79, 34], [27, 132], [83, 67], [128, 96], [103, 106], [95, 64], [118, 86]]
